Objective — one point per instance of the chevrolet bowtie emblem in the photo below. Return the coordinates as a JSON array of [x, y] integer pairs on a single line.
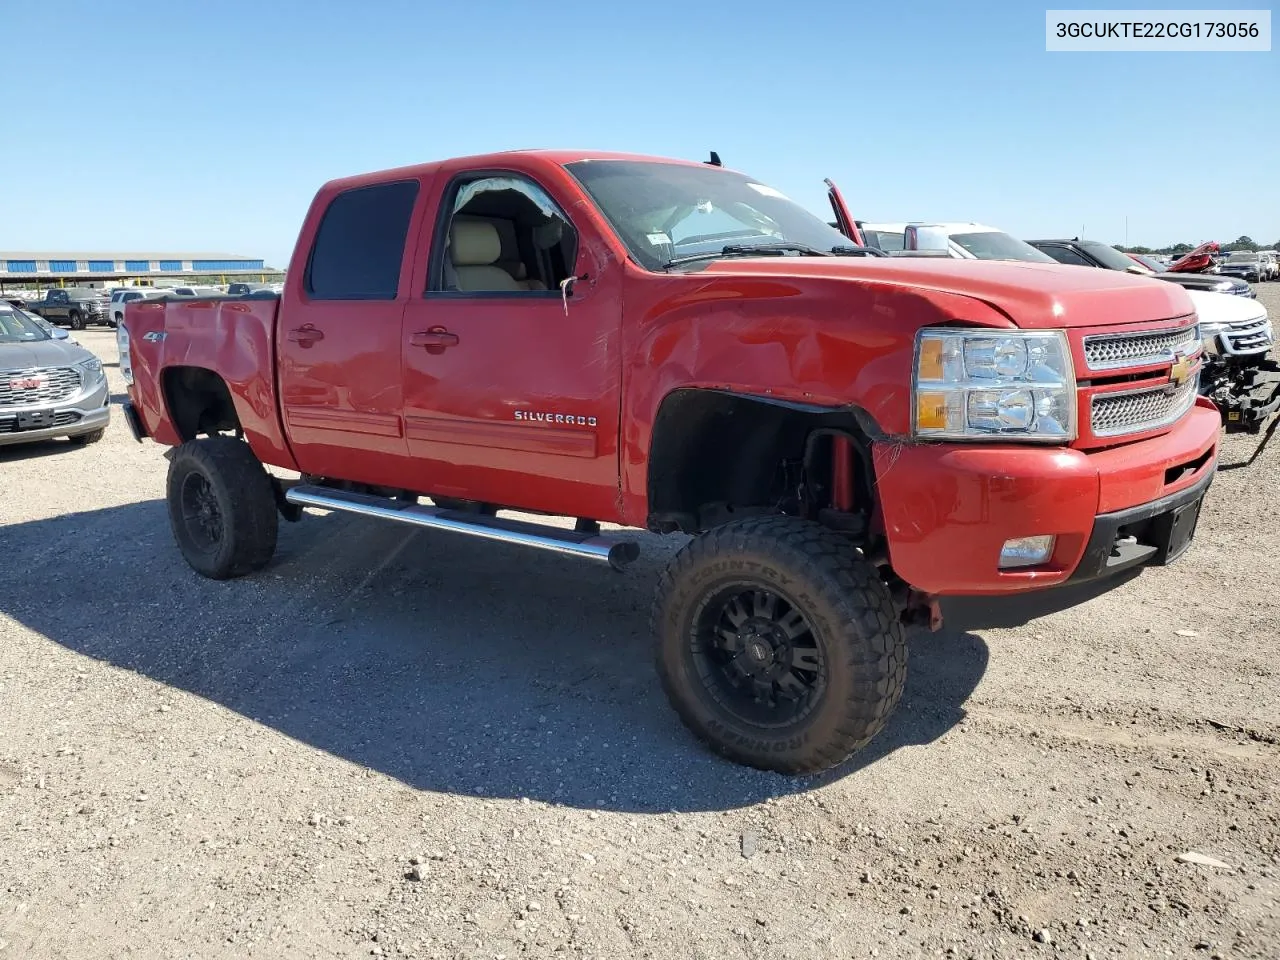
[[1181, 370]]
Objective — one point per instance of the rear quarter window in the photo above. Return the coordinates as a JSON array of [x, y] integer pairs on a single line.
[[359, 244]]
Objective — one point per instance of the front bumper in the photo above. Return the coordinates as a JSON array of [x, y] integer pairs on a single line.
[[948, 509], [84, 413]]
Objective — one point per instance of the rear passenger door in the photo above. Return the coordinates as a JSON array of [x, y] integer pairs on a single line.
[[338, 335]]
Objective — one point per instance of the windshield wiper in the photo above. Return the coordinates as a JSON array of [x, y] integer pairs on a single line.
[[752, 250], [853, 250]]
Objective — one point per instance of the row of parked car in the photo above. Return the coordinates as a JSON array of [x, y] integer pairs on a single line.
[[77, 307], [1257, 266], [1254, 265]]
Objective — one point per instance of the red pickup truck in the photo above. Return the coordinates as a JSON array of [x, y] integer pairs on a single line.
[[675, 346]]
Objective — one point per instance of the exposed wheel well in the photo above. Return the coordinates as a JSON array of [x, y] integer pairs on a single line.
[[717, 457], [199, 402]]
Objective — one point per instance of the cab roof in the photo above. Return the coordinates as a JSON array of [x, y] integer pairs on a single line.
[[547, 156]]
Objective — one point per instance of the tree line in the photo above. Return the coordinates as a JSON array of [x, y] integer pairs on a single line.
[[1178, 249]]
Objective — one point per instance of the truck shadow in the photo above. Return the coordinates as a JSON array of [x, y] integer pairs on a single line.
[[448, 664], [36, 449]]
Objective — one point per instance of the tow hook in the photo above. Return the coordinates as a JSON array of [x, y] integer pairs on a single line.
[[923, 609]]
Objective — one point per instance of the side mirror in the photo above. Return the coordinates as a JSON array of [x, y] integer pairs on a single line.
[[61, 333], [926, 239]]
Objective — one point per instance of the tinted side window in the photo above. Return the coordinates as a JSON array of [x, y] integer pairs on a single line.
[[1064, 255], [360, 243]]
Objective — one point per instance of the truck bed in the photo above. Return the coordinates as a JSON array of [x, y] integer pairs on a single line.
[[233, 337]]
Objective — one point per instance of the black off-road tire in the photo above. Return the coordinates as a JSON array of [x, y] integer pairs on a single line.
[[76, 319], [852, 620], [222, 475], [91, 437]]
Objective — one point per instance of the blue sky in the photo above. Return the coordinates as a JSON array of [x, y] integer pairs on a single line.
[[185, 126]]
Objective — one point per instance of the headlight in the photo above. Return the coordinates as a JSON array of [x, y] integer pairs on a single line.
[[122, 344], [983, 384], [91, 370]]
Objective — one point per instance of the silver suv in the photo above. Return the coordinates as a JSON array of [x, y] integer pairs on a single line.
[[1247, 265], [49, 386]]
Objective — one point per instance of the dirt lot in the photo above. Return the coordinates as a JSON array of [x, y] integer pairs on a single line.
[[405, 744]]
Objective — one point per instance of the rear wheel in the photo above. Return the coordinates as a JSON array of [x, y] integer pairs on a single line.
[[778, 644], [77, 320], [222, 507]]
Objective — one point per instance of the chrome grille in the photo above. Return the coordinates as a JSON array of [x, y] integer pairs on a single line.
[[37, 385], [1251, 337], [1108, 351], [1134, 411]]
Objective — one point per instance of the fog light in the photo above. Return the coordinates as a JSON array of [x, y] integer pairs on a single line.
[[1026, 551]]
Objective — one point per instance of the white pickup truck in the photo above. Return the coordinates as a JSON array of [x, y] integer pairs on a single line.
[[965, 241]]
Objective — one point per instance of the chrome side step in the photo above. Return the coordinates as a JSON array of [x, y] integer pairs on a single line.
[[615, 550]]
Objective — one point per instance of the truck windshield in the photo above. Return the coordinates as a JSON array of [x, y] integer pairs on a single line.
[[16, 328], [995, 245], [665, 211], [1242, 258]]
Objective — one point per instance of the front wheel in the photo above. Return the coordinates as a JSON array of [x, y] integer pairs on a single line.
[[778, 644], [77, 320], [222, 507], [93, 436]]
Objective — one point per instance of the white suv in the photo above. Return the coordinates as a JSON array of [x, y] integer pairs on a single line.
[[124, 295]]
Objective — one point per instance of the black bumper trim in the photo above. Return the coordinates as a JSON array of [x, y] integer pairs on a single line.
[[1103, 557], [132, 418]]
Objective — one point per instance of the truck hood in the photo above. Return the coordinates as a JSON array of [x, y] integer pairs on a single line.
[[1225, 308], [41, 353], [1202, 281], [1030, 295]]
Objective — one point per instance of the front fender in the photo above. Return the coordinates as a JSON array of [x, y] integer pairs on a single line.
[[819, 343]]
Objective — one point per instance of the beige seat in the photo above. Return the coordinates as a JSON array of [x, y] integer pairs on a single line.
[[474, 250]]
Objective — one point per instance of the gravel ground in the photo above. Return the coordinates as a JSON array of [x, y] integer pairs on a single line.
[[396, 743]]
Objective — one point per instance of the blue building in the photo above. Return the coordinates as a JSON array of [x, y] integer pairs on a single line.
[[92, 269]]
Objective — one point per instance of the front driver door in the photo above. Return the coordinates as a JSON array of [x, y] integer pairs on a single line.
[[512, 386]]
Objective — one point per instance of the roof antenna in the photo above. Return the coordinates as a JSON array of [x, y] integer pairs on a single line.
[[715, 160]]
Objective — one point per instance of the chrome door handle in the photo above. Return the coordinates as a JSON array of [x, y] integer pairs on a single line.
[[435, 337], [306, 335]]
